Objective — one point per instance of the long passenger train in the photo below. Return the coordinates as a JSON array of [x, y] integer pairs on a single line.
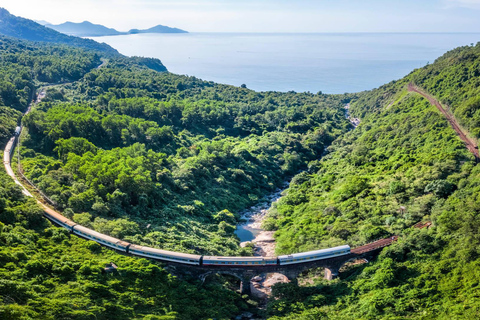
[[164, 255]]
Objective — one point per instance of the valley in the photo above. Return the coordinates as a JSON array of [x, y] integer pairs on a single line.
[[171, 162]]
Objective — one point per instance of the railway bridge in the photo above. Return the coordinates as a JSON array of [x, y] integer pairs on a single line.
[[291, 271]]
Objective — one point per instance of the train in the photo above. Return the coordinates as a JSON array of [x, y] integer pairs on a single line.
[[191, 259], [7, 157], [164, 255]]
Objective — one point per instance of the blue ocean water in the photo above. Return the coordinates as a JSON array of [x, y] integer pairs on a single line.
[[331, 63]]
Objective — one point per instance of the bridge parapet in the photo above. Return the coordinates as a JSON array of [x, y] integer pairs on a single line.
[[372, 246], [291, 271]]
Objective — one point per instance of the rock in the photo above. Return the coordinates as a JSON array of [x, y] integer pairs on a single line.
[[273, 279], [257, 279]]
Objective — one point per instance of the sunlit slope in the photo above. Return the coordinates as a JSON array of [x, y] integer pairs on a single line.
[[403, 164]]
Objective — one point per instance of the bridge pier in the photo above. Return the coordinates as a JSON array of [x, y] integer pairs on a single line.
[[245, 286], [291, 274], [331, 273], [292, 271]]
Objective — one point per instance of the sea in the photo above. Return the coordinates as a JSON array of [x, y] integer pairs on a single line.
[[326, 62]]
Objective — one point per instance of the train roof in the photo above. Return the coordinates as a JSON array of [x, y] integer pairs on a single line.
[[94, 233], [218, 258], [57, 215], [316, 252], [165, 252]]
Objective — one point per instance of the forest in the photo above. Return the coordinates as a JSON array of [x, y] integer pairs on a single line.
[[45, 273], [130, 150]]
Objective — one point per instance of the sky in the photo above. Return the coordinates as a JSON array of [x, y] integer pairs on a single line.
[[261, 15]]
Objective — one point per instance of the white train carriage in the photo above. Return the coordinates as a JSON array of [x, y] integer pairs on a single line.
[[58, 218], [313, 255], [108, 241], [239, 261], [7, 155], [165, 255]]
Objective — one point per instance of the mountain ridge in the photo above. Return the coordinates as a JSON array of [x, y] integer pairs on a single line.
[[89, 29], [18, 27]]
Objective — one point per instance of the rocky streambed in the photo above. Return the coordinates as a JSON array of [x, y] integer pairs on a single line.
[[250, 230]]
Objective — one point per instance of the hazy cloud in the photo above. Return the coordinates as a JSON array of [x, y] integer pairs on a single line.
[[261, 16], [471, 4]]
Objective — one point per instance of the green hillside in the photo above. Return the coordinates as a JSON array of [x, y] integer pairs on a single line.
[[45, 273], [403, 164]]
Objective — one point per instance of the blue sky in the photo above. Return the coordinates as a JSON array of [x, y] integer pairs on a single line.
[[262, 15]]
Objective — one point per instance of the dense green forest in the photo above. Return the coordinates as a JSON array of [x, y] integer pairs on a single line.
[[45, 273], [403, 164], [123, 146], [24, 64]]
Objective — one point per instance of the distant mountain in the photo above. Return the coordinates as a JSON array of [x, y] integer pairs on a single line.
[[158, 29], [88, 29], [22, 28], [84, 29], [42, 22]]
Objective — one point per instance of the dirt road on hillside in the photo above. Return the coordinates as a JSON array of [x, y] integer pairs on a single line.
[[470, 143]]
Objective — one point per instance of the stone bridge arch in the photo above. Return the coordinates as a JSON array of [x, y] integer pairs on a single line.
[[246, 275], [205, 275], [244, 278]]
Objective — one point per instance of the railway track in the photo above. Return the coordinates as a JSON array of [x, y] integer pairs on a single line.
[[382, 243], [469, 143]]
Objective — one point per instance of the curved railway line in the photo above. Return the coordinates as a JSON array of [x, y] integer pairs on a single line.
[[158, 254], [213, 261]]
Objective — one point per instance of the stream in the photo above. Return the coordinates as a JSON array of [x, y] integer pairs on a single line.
[[250, 229]]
